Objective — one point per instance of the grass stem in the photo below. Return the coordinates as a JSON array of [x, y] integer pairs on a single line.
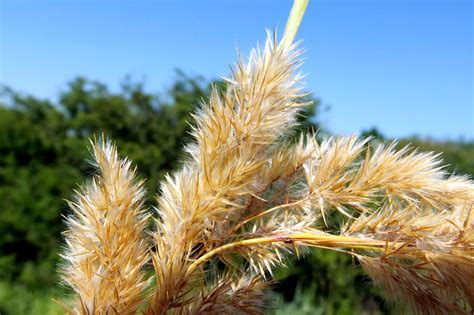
[[294, 21], [308, 238]]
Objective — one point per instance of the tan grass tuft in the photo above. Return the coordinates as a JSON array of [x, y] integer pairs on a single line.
[[244, 296], [106, 249], [245, 200]]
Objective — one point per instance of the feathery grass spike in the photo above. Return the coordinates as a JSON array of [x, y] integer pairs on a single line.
[[244, 200], [106, 248]]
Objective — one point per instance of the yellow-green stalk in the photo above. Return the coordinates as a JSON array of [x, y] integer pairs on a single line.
[[294, 21]]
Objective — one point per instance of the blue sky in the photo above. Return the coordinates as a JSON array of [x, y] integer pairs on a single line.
[[403, 66]]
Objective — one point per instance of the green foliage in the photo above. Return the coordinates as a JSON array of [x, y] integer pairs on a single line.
[[18, 299]]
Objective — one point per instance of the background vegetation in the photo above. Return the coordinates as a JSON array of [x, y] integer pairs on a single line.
[[43, 153]]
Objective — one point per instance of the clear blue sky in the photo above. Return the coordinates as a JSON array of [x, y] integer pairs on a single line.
[[403, 66]]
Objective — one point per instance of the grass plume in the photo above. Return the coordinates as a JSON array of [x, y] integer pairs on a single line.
[[244, 200], [106, 245]]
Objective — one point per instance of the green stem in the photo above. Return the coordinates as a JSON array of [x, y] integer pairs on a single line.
[[294, 21]]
